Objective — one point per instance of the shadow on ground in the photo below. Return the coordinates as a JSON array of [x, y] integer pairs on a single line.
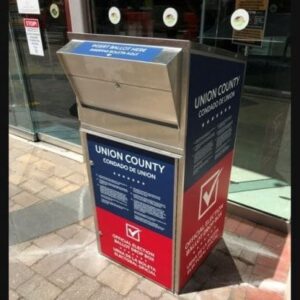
[[218, 270], [237, 259], [45, 217]]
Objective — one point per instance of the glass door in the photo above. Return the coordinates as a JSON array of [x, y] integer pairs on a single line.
[[19, 112], [38, 36]]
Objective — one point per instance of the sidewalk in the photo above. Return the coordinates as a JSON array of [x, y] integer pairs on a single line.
[[53, 252]]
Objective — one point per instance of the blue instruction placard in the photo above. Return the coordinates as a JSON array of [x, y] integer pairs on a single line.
[[135, 184], [117, 50], [214, 100]]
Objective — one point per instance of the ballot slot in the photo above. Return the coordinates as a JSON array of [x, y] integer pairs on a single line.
[[140, 81]]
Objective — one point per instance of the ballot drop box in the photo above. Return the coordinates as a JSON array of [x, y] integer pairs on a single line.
[[158, 122]]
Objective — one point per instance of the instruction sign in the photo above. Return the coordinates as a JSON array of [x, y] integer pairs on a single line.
[[115, 50], [211, 129], [28, 7], [33, 35], [134, 195], [253, 34]]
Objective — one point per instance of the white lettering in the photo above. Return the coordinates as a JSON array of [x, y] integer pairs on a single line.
[[130, 159], [206, 97]]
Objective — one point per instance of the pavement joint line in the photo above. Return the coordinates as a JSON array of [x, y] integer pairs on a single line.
[[27, 280], [51, 148]]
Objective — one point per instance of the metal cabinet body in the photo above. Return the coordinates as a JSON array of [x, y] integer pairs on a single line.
[[158, 121]]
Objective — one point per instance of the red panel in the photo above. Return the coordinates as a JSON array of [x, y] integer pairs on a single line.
[[203, 216], [138, 248], [31, 22]]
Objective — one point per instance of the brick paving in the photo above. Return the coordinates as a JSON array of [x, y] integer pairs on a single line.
[[65, 264]]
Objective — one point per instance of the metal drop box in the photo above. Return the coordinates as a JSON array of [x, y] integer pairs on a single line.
[[158, 123]]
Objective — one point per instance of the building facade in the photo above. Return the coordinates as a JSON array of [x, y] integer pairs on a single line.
[[42, 105]]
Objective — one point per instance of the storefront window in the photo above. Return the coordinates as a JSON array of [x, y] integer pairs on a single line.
[[268, 65], [261, 172], [51, 98], [163, 19]]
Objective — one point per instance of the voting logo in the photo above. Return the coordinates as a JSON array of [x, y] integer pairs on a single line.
[[209, 193], [133, 232]]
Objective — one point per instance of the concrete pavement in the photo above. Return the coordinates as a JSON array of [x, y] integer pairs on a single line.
[[53, 252]]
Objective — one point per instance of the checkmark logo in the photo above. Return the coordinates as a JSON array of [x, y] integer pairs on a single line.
[[209, 193], [133, 232]]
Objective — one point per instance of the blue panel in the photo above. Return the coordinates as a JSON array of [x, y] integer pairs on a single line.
[[115, 50], [132, 183], [214, 99]]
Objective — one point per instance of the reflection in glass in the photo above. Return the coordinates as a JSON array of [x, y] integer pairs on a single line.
[[19, 112]]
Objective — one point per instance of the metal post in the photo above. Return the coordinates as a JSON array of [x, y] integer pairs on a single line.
[[79, 16], [246, 50], [202, 21], [218, 21]]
